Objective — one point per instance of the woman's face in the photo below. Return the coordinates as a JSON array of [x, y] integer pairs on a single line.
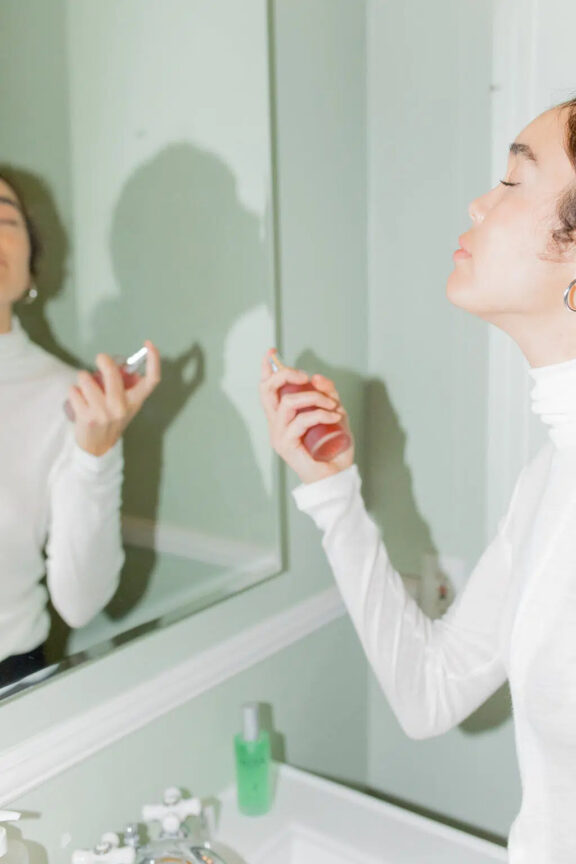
[[14, 248], [507, 274]]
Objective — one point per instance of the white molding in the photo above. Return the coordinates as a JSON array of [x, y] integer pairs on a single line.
[[43, 756]]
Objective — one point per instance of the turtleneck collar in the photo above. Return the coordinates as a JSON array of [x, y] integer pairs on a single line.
[[554, 400]]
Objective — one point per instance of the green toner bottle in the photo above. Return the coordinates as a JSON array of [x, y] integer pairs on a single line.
[[253, 779]]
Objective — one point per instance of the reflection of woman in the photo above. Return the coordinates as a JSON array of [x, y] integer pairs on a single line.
[[516, 617], [58, 480]]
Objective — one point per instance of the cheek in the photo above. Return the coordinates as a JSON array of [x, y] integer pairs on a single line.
[[504, 270], [507, 243], [21, 253], [509, 240], [15, 247]]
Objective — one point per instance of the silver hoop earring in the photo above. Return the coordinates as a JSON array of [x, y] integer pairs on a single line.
[[569, 295], [32, 294]]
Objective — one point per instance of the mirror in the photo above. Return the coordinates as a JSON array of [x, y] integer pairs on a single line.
[[138, 140]]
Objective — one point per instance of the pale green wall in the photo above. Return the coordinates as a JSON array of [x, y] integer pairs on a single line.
[[429, 155], [426, 362], [319, 718], [322, 710]]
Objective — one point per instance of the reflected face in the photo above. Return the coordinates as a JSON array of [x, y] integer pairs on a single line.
[[14, 248], [512, 268]]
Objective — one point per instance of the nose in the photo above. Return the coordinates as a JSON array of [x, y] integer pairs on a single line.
[[479, 207], [475, 210]]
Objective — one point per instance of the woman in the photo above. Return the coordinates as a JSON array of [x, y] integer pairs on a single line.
[[516, 617], [58, 480]]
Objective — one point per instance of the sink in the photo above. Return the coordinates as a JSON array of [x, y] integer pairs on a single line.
[[317, 821], [299, 845]]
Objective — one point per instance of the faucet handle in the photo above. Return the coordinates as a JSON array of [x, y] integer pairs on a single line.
[[173, 811], [107, 850]]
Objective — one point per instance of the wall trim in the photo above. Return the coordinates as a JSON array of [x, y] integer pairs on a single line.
[[47, 754]]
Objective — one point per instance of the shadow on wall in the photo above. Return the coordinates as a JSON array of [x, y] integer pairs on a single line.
[[277, 739], [189, 260], [36, 852], [389, 495]]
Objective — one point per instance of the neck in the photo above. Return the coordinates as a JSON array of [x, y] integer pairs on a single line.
[[543, 338], [5, 319]]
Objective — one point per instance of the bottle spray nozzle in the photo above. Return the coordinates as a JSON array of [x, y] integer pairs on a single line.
[[275, 362]]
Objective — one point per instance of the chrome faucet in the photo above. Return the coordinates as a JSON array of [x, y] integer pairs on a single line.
[[171, 816], [205, 855]]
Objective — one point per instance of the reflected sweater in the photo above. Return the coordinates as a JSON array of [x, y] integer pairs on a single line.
[[515, 619], [50, 490]]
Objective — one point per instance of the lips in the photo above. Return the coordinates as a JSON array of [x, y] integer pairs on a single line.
[[462, 246]]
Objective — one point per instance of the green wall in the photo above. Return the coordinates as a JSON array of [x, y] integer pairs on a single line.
[[370, 224], [322, 711], [426, 405]]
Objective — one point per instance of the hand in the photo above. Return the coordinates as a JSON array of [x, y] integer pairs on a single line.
[[287, 427], [103, 415]]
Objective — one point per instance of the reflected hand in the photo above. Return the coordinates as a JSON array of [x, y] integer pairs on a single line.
[[102, 415], [287, 426]]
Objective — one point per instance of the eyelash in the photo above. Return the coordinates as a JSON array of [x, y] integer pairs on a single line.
[[504, 183]]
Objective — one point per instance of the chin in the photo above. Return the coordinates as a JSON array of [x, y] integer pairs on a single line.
[[465, 295], [459, 291]]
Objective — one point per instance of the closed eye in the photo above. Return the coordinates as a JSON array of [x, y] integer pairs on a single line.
[[505, 183]]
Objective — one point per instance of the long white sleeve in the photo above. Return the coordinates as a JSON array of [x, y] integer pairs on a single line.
[[433, 672], [84, 548]]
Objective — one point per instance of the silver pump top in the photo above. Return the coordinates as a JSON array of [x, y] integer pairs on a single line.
[[251, 721]]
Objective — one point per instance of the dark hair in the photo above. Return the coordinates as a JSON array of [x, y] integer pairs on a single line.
[[31, 230], [565, 235]]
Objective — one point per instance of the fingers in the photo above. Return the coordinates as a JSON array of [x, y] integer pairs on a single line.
[[148, 382], [272, 381], [93, 396], [115, 396], [304, 421], [325, 385], [78, 403], [153, 365], [291, 403]]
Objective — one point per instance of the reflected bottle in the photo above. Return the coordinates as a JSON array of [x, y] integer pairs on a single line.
[[324, 441], [253, 776], [129, 369]]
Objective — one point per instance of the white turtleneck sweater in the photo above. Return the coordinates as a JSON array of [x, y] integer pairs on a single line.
[[50, 489], [515, 619]]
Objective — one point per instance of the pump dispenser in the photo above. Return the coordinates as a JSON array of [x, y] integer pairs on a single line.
[[11, 851], [253, 763]]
